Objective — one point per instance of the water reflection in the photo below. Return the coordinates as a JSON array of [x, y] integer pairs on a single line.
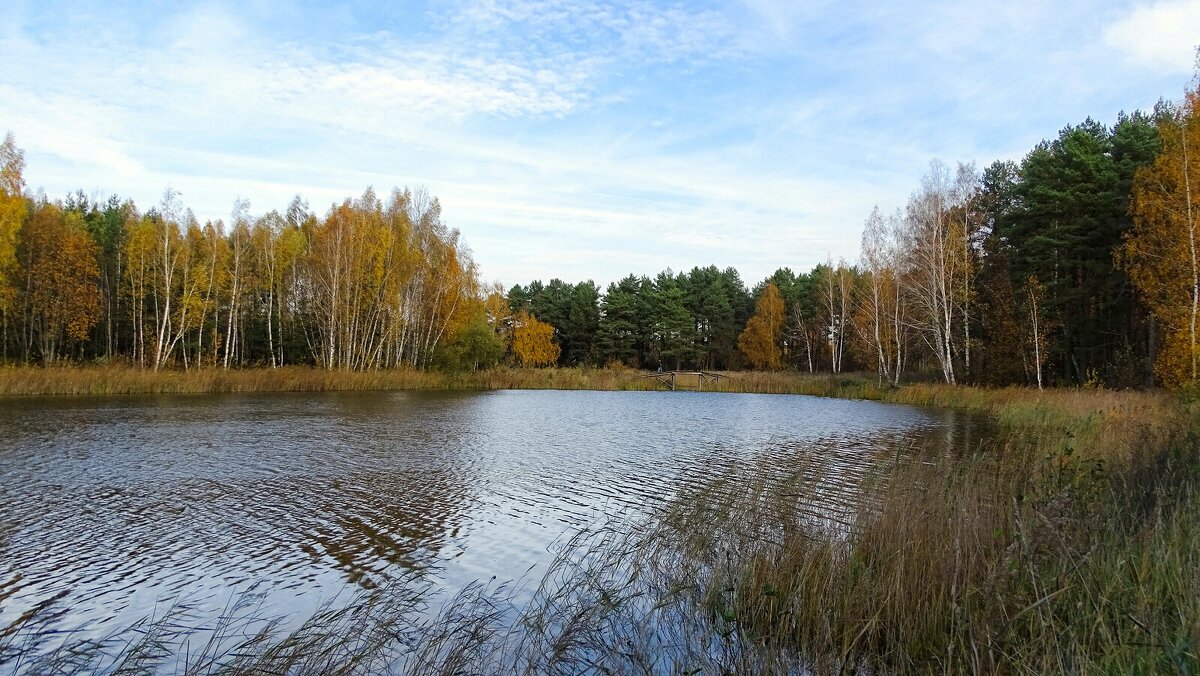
[[111, 507]]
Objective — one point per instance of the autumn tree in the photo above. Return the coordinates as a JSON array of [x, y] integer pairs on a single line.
[[107, 223], [499, 314], [165, 253], [265, 237], [138, 252], [61, 295], [209, 257], [1160, 252], [188, 294], [836, 290], [937, 265], [877, 297], [204, 255], [763, 333], [12, 214], [533, 341]]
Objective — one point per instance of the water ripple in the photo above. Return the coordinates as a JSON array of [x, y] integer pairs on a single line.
[[111, 507]]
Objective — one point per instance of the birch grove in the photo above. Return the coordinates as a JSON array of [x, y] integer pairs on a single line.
[[371, 284]]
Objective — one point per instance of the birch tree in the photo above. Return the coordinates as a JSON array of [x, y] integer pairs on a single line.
[[166, 256], [878, 293], [936, 265]]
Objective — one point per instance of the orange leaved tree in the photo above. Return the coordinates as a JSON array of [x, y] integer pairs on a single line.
[[760, 340], [1160, 250], [533, 341]]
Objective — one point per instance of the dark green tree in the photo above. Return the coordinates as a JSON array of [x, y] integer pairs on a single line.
[[623, 326], [710, 300], [672, 328], [1066, 217]]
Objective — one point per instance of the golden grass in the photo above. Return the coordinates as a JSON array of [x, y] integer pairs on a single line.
[[1068, 542], [108, 380], [121, 379]]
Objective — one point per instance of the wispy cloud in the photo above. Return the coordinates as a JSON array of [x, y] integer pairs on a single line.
[[1161, 35]]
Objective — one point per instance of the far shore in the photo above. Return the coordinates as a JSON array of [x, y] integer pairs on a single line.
[[102, 380]]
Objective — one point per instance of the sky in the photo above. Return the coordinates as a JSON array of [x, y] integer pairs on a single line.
[[574, 139]]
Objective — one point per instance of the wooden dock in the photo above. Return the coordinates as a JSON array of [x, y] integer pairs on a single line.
[[686, 380]]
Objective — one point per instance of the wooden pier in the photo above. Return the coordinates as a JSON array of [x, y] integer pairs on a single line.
[[686, 380]]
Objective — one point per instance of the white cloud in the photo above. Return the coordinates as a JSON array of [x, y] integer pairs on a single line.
[[1163, 35], [68, 127]]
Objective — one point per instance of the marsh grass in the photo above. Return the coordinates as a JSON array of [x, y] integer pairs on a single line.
[[109, 379], [1014, 558], [1067, 542], [1067, 408], [113, 379], [365, 634]]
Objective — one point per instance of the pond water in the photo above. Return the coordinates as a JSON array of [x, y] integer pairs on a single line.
[[112, 508]]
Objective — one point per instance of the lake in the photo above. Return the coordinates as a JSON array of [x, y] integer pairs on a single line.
[[112, 509]]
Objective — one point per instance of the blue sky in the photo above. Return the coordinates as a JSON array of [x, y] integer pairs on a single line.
[[573, 139]]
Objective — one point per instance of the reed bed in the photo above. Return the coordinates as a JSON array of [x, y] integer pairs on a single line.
[[1021, 404], [116, 379], [1022, 555]]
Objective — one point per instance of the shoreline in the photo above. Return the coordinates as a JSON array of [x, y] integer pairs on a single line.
[[1020, 404], [101, 380]]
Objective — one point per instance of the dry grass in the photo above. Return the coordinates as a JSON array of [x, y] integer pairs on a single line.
[[1059, 406], [107, 380], [366, 634]]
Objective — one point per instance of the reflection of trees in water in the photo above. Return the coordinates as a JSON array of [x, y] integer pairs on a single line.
[[403, 495], [379, 520], [960, 433]]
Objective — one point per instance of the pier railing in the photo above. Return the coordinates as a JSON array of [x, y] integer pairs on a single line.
[[687, 380]]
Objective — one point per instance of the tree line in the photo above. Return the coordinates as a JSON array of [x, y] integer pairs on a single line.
[[373, 283], [1077, 264]]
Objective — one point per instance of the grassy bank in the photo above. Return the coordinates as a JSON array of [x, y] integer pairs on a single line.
[[1082, 413], [120, 379], [113, 379], [1069, 541]]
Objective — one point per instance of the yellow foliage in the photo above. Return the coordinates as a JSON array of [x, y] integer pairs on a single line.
[[760, 340], [533, 341], [62, 292], [1160, 252], [12, 214]]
